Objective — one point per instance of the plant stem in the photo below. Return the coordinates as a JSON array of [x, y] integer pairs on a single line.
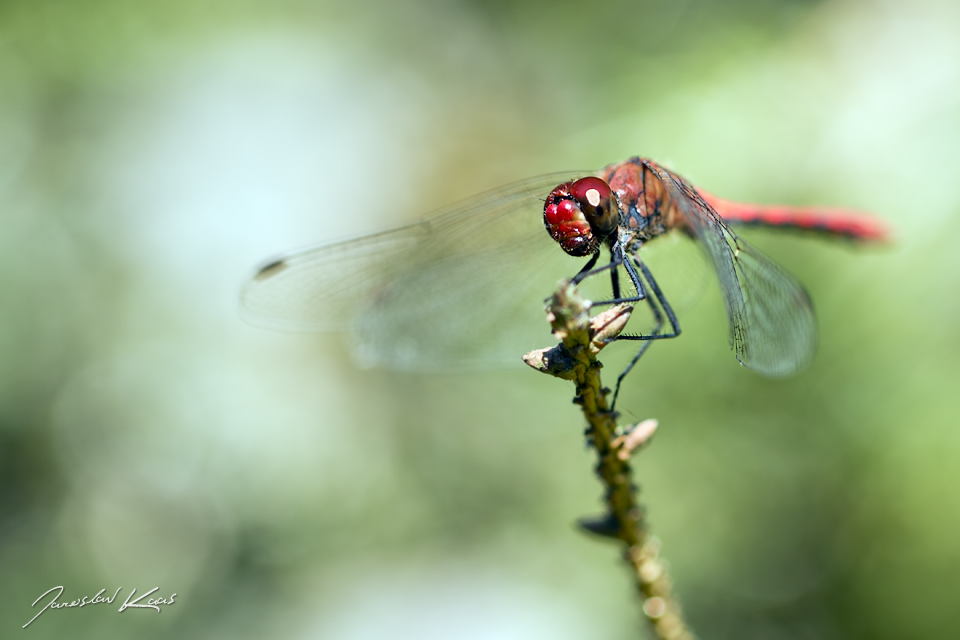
[[575, 358]]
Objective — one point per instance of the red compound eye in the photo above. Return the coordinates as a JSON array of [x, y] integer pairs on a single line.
[[580, 215], [590, 191], [599, 205]]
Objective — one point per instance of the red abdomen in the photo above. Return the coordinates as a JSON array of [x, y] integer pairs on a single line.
[[835, 222]]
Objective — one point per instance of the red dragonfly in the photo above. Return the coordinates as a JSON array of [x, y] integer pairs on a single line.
[[464, 287]]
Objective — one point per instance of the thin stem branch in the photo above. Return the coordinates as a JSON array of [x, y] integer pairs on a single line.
[[575, 359]]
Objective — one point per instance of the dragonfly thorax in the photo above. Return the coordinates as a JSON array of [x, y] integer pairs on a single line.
[[646, 209]]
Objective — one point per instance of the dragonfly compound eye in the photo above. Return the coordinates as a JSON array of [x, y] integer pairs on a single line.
[[564, 218], [580, 215], [599, 205]]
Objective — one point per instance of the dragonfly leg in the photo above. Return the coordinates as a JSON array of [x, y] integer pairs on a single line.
[[671, 316], [658, 319], [615, 282], [616, 260], [586, 272], [655, 289]]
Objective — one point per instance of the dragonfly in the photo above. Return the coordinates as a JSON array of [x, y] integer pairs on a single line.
[[463, 287]]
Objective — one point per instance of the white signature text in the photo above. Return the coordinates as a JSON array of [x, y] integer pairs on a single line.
[[129, 603]]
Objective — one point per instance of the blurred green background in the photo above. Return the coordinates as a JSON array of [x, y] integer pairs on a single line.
[[152, 152]]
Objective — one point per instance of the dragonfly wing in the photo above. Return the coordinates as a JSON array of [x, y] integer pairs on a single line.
[[321, 288], [773, 329], [461, 289], [466, 310]]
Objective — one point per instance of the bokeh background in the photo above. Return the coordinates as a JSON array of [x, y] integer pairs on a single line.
[[151, 153]]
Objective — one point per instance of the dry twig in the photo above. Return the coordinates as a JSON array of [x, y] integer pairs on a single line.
[[582, 338]]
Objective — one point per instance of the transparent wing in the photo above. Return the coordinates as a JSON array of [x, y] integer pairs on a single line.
[[320, 288], [773, 329], [461, 289], [681, 269]]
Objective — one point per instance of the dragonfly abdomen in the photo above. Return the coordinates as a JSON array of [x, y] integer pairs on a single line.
[[828, 221]]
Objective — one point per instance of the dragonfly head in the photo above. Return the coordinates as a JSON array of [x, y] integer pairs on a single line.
[[579, 215]]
